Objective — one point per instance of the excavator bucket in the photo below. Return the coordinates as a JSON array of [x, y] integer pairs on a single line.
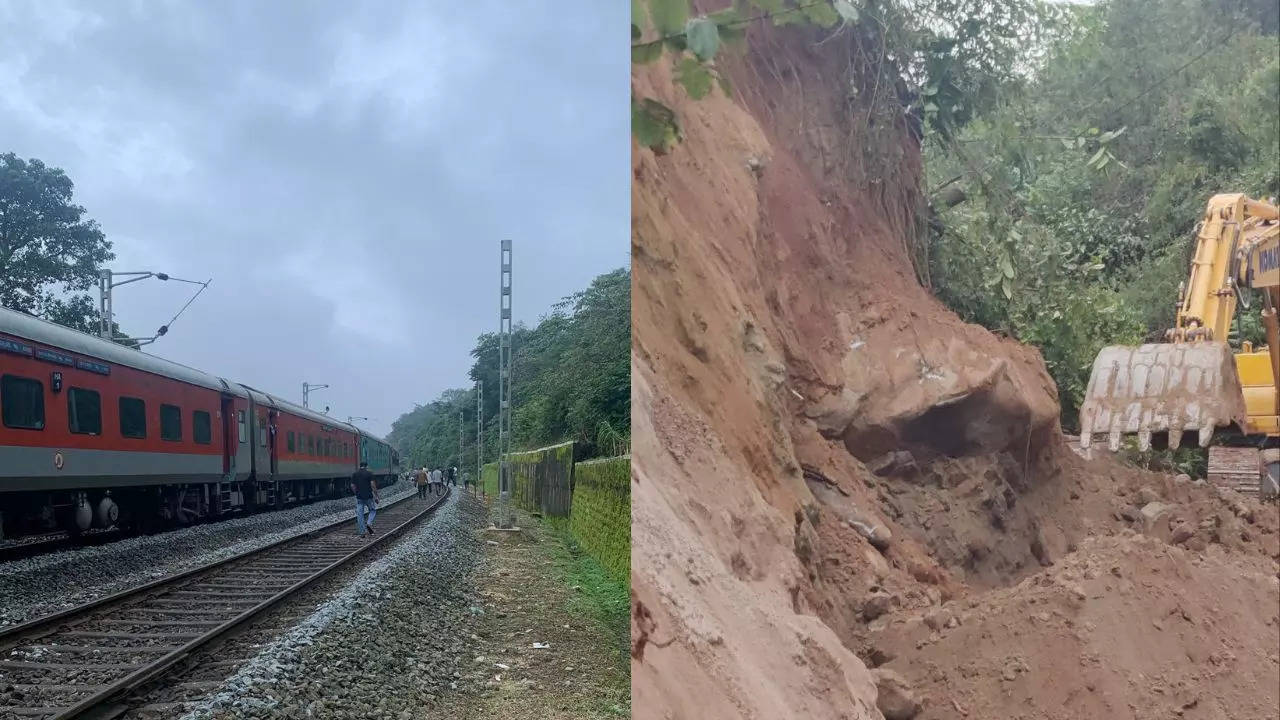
[[1161, 388]]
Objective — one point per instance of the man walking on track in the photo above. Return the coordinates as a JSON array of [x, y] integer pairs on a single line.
[[366, 491], [420, 479], [437, 479]]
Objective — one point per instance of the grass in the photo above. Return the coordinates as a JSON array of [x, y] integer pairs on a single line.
[[550, 590], [600, 598]]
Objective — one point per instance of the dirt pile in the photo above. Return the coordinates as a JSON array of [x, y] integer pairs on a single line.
[[1125, 626], [825, 457]]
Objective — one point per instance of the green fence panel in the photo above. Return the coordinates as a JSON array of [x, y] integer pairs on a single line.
[[543, 480], [489, 479], [601, 516]]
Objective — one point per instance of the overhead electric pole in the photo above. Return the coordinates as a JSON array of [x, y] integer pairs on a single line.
[[504, 385], [106, 311], [307, 389], [479, 431]]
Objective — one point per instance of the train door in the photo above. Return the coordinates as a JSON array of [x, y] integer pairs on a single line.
[[230, 442], [261, 448], [272, 418]]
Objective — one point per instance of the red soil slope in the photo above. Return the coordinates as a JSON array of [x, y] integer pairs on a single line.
[[826, 458]]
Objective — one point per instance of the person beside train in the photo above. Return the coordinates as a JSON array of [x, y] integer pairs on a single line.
[[365, 488], [420, 479]]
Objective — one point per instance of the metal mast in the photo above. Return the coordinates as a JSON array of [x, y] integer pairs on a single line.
[[479, 430], [504, 383]]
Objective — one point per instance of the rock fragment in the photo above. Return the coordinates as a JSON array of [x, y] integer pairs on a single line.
[[894, 697]]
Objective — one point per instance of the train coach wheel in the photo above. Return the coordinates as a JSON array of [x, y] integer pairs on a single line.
[[106, 513]]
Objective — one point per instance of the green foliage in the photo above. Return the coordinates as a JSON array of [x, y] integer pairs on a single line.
[[50, 253], [1083, 178], [1193, 461], [542, 480], [601, 517], [695, 78], [603, 596], [669, 16], [570, 374], [489, 479], [654, 125], [703, 38], [953, 55]]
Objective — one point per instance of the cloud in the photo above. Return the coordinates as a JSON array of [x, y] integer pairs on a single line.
[[343, 171]]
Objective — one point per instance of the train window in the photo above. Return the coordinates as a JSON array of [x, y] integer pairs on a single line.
[[262, 433], [244, 430], [311, 445], [201, 427], [171, 423], [133, 417], [328, 447], [290, 441], [23, 402], [84, 411]]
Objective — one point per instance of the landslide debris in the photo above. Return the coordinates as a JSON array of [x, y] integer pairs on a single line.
[[847, 503]]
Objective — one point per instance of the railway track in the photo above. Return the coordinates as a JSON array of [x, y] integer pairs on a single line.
[[52, 541], [81, 662]]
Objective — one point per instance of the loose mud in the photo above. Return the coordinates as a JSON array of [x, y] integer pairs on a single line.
[[847, 503]]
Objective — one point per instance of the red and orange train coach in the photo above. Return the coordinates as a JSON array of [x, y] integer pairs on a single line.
[[93, 433]]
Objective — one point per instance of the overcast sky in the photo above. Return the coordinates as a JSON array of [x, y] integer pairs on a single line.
[[343, 174]]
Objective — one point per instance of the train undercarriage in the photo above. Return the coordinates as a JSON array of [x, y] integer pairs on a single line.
[[151, 508]]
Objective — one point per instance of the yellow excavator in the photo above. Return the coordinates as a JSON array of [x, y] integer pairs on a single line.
[[1192, 385]]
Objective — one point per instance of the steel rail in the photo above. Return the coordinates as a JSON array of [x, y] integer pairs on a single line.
[[34, 624], [95, 705]]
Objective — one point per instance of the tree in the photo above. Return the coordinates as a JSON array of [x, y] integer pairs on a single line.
[[1065, 212], [50, 252], [571, 381]]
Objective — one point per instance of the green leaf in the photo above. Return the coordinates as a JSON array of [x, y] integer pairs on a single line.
[[703, 37], [1112, 135], [645, 53], [1006, 266], [787, 16], [847, 10], [727, 16], [1006, 288], [1097, 156], [669, 16], [821, 14], [638, 19], [694, 77], [769, 6], [654, 125]]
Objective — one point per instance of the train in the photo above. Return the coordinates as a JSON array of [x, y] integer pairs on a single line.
[[94, 434]]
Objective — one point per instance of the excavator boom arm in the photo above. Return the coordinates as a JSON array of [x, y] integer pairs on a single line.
[[1190, 382]]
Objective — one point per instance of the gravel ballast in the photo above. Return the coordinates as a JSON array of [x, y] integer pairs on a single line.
[[385, 646], [44, 584]]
